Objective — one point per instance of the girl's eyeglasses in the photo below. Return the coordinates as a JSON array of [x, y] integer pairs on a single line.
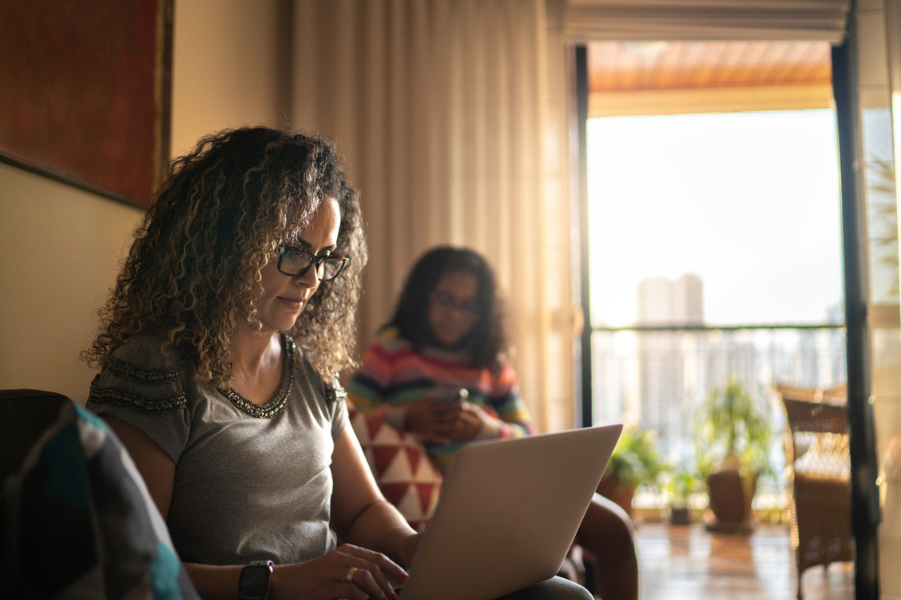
[[467, 308]]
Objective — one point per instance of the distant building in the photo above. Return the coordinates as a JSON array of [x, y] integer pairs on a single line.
[[664, 355], [664, 302]]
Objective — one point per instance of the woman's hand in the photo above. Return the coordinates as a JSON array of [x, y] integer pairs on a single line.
[[347, 572]]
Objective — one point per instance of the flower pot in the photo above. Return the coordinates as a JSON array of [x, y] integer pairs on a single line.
[[679, 515], [619, 493], [730, 492]]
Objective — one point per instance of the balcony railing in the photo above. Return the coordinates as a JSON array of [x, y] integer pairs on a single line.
[[655, 377]]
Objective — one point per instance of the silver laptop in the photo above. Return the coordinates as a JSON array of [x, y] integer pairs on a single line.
[[508, 513]]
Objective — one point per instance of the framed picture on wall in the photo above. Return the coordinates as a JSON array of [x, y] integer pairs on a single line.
[[85, 92]]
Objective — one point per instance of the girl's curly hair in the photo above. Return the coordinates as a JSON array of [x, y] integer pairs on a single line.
[[487, 342], [193, 271]]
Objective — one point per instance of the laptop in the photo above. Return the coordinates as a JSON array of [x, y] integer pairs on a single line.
[[508, 513]]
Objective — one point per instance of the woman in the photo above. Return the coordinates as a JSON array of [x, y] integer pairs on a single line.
[[219, 349], [448, 331]]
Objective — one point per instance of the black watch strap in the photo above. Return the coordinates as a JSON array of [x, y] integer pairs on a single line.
[[254, 581]]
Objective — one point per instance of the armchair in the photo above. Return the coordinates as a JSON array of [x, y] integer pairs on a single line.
[[818, 467]]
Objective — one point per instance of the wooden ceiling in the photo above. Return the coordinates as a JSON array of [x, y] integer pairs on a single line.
[[631, 66], [619, 72]]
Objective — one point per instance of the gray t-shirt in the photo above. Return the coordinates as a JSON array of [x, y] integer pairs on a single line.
[[246, 487]]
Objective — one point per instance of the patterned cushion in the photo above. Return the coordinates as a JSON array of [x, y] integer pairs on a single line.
[[401, 466], [77, 521]]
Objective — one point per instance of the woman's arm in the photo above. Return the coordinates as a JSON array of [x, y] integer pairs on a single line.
[[323, 578], [360, 514], [320, 578], [154, 465], [158, 472]]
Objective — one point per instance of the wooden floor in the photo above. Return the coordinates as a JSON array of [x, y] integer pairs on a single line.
[[687, 563]]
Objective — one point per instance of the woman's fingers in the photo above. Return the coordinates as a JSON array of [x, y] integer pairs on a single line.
[[362, 586], [364, 581], [348, 572], [369, 578], [373, 570], [385, 564], [352, 592]]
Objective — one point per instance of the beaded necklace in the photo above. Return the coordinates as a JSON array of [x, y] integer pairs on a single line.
[[277, 404]]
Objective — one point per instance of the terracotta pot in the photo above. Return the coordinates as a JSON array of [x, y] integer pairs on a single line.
[[731, 492], [679, 515], [621, 494]]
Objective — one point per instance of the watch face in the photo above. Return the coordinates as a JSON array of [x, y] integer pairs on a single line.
[[254, 583]]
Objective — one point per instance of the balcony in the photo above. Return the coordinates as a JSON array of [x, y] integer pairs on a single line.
[[654, 377]]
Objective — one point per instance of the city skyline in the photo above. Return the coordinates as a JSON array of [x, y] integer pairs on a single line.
[[653, 380]]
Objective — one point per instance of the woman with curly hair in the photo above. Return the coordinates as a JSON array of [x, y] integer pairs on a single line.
[[219, 351], [448, 333]]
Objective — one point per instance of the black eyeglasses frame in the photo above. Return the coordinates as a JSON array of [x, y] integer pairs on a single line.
[[316, 260]]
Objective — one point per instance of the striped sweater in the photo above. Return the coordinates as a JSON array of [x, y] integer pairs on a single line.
[[392, 374]]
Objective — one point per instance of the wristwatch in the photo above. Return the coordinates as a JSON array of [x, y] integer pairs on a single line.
[[254, 582]]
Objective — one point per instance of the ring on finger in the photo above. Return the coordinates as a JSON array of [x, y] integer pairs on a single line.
[[350, 574]]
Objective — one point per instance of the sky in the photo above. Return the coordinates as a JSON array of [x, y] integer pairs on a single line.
[[747, 201]]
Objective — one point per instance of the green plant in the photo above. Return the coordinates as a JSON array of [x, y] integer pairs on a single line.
[[732, 429], [681, 486], [635, 460]]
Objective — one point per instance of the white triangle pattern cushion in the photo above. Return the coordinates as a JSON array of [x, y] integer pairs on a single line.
[[401, 466]]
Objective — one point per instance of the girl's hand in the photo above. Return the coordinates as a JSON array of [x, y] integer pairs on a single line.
[[347, 572], [435, 421], [469, 422]]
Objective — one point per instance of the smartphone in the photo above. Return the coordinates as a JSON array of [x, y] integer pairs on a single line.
[[449, 393]]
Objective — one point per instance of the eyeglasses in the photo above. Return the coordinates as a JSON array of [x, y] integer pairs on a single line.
[[296, 262], [447, 302]]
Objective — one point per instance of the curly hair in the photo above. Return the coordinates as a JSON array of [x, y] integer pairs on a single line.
[[487, 342], [193, 271]]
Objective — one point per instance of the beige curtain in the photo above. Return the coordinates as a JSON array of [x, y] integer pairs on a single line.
[[451, 117], [818, 20]]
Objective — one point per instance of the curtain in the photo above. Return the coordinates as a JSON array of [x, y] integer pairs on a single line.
[[887, 403], [758, 20], [451, 117]]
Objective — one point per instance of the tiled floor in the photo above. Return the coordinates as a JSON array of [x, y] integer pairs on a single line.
[[687, 563]]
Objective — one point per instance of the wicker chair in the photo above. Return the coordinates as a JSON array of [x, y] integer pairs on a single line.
[[819, 473]]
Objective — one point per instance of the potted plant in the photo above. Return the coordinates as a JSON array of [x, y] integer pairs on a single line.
[[733, 436], [635, 462], [679, 489]]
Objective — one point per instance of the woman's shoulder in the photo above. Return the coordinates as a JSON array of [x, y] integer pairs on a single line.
[[146, 358], [141, 374], [305, 370]]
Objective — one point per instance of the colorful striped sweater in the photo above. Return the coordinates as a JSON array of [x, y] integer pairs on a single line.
[[392, 374]]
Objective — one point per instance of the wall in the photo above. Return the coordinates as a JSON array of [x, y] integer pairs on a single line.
[[60, 247], [230, 68]]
